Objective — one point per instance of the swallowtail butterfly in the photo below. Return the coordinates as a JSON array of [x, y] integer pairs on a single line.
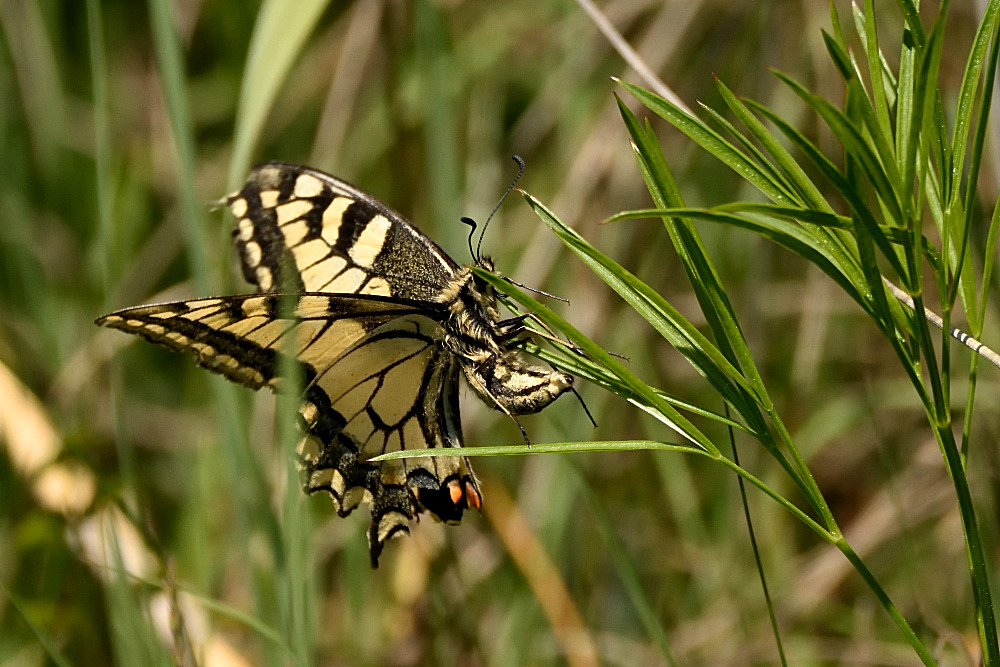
[[381, 322]]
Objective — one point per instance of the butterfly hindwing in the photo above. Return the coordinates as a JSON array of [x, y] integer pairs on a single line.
[[298, 228], [395, 389]]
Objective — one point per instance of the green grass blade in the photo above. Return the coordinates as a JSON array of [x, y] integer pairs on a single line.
[[663, 317], [877, 66], [46, 642], [759, 158], [971, 77], [839, 56], [585, 369], [279, 34], [782, 232], [704, 279], [545, 448], [667, 413], [912, 16], [883, 178], [792, 171], [711, 141]]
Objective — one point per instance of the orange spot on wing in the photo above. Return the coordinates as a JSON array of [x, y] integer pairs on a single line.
[[472, 495], [455, 489]]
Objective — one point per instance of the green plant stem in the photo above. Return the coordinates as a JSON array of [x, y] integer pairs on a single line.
[[883, 597], [979, 572]]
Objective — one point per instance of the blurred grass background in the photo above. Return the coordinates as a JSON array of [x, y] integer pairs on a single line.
[[111, 161]]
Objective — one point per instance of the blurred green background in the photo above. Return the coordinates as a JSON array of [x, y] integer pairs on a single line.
[[116, 137]]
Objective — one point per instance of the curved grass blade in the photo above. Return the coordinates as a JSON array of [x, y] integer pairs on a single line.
[[278, 35]]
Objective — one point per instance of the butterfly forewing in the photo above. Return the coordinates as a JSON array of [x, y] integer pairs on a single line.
[[242, 337], [303, 229]]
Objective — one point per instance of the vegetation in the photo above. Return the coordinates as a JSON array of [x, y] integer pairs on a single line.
[[844, 468]]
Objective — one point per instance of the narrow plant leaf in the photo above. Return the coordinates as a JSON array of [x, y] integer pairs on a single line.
[[877, 66], [881, 177], [663, 317], [710, 140], [278, 35], [967, 94], [546, 448], [786, 234], [785, 163], [839, 56], [779, 179], [704, 278], [583, 368]]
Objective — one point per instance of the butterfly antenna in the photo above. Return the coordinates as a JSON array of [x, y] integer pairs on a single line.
[[520, 170], [472, 224], [532, 289]]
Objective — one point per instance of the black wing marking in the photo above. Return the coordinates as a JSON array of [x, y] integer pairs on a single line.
[[395, 389], [299, 229]]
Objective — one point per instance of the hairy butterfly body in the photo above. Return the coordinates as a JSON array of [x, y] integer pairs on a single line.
[[381, 323]]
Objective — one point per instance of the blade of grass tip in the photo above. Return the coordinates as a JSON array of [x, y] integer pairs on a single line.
[[868, 31], [793, 174], [279, 34], [701, 273], [838, 30], [708, 139], [759, 158], [839, 56]]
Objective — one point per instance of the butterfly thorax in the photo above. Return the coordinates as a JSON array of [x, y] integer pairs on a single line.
[[485, 346]]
